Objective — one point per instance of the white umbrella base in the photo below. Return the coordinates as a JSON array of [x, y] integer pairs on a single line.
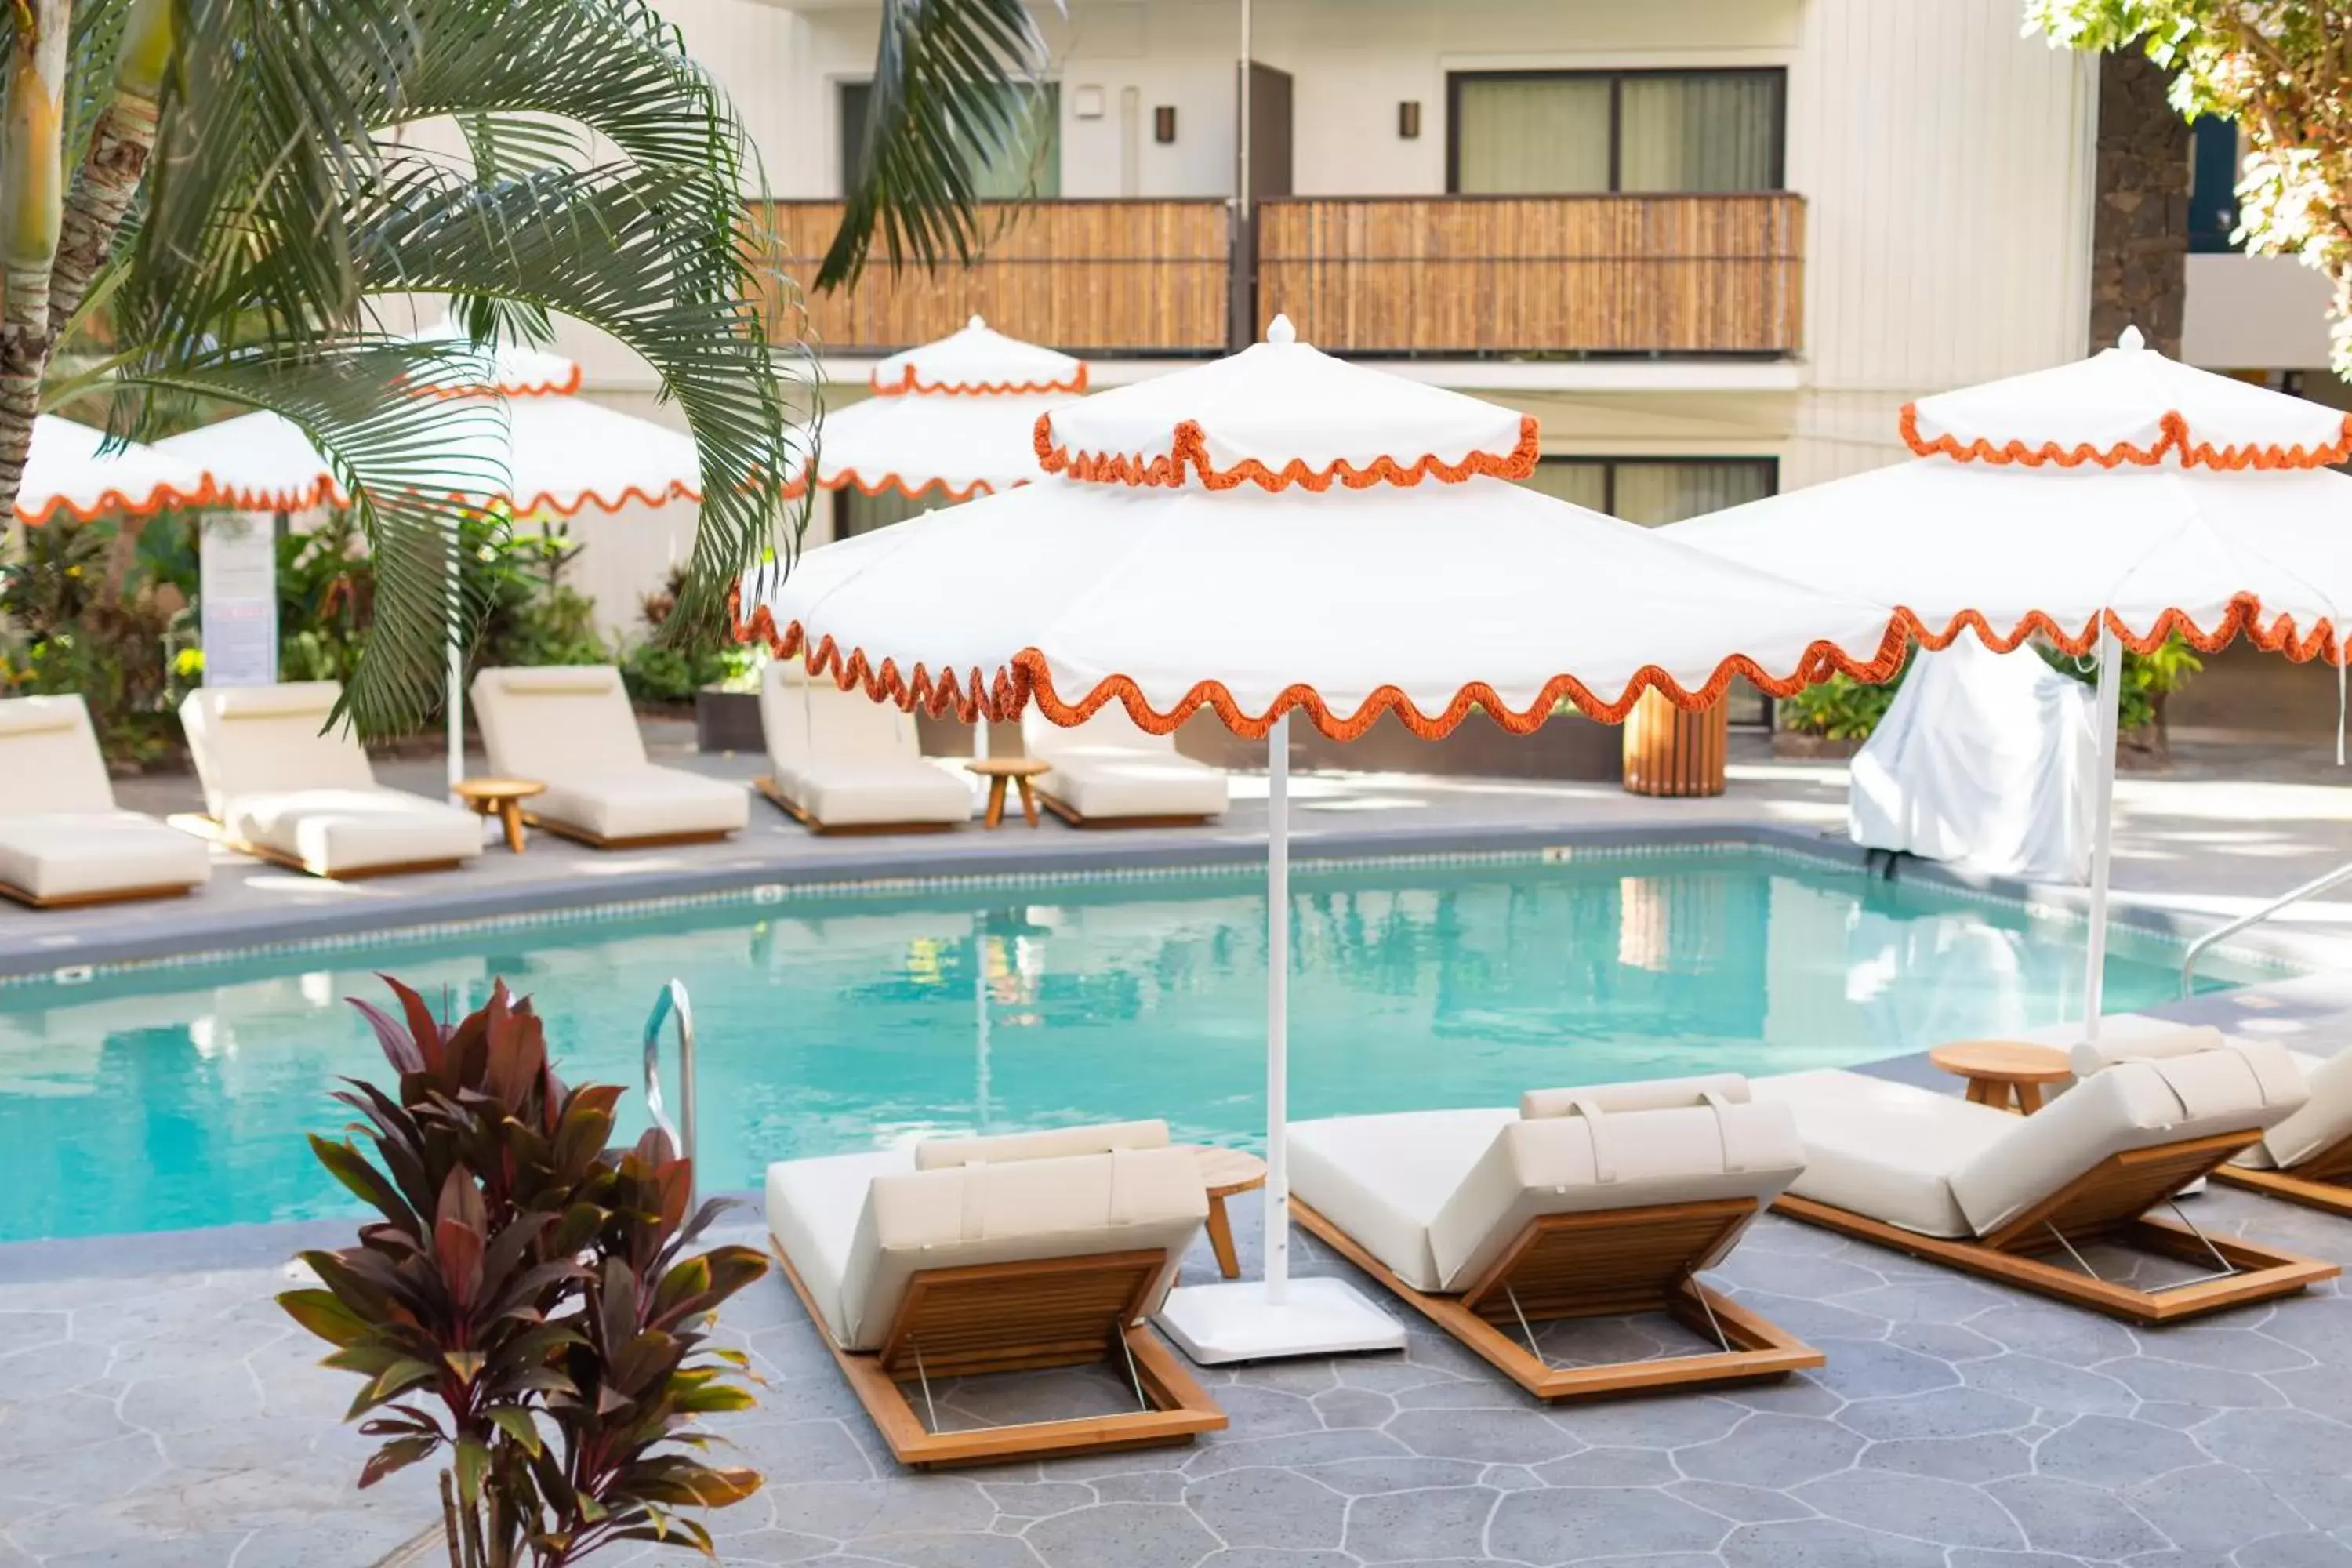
[[1219, 1323]]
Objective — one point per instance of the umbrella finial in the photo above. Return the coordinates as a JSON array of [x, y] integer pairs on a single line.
[[975, 324], [2131, 340], [1280, 331]]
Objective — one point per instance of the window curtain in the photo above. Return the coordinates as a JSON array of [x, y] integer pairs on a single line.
[[1030, 165], [1710, 130], [1531, 135], [1582, 481]]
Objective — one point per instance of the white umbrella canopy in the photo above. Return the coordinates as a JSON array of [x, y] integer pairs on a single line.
[[259, 462], [511, 370], [1276, 532], [953, 417], [69, 470], [2113, 502]]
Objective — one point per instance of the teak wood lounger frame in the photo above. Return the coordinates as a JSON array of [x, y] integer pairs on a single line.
[[1022, 1316], [1601, 1264], [106, 896], [1070, 814], [2109, 1204], [766, 785], [211, 829], [2322, 1182], [594, 840]]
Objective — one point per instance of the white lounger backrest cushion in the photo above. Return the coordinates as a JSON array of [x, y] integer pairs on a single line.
[[2325, 1119], [545, 724], [1129, 1201], [49, 758], [2087, 1057], [1656, 1094], [1582, 1161], [1058, 1143], [1109, 730], [2131, 1105], [816, 721], [271, 740]]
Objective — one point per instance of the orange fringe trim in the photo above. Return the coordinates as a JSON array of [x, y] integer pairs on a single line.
[[1189, 447], [909, 383], [891, 481], [970, 695], [564, 388], [114, 503], [2174, 438], [319, 494], [2245, 617], [525, 507]]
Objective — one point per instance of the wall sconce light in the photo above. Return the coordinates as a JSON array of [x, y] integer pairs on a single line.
[[1164, 124], [1409, 120], [1087, 104]]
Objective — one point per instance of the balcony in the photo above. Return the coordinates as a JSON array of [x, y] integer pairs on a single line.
[[1106, 278], [1496, 276]]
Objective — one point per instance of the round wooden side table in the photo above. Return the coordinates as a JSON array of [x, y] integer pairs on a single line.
[[2001, 1070], [1226, 1173], [502, 798], [1001, 771]]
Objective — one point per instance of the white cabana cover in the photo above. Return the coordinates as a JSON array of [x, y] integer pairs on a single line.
[[70, 470], [259, 462], [1983, 759], [514, 370], [955, 418]]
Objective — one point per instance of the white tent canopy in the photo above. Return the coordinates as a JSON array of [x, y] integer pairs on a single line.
[[1283, 530], [259, 462], [70, 470]]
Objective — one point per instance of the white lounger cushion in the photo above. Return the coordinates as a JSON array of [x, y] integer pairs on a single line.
[[1655, 1094], [847, 760], [570, 727], [334, 831], [908, 1222], [270, 741], [943, 1153], [2324, 1121], [1106, 767], [855, 795], [1383, 1179], [59, 855], [642, 802], [1936, 1164], [49, 760]]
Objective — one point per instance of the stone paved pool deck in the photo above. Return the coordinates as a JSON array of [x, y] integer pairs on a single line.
[[157, 1412]]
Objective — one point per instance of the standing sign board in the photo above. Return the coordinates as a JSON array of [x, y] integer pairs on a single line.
[[238, 584]]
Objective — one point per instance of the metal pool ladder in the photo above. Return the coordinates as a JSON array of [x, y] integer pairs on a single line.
[[2312, 888], [672, 1003]]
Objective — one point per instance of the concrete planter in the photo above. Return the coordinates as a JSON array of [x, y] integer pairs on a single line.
[[728, 721], [1792, 744]]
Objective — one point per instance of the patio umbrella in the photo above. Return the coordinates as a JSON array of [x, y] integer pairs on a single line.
[[259, 462], [70, 470], [951, 418], [1283, 532], [2105, 504]]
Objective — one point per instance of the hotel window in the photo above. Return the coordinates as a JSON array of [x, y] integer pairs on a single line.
[[1029, 166], [1573, 132], [855, 512]]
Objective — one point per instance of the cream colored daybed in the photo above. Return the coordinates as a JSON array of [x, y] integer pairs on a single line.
[[570, 727], [962, 1256], [62, 841], [846, 764], [1106, 773], [1582, 1203], [284, 785], [2020, 1199]]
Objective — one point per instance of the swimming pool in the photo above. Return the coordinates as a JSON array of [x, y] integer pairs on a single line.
[[173, 1098]]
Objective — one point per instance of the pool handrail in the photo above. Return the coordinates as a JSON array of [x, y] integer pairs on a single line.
[[671, 1003], [2223, 932]]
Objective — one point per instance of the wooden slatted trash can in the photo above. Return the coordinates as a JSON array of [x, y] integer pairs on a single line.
[[1672, 752]]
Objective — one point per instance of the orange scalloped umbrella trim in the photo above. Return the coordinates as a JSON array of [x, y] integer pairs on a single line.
[[1027, 678], [1189, 448], [317, 493], [2245, 617], [891, 481], [2174, 438], [910, 382], [564, 388], [114, 503], [543, 501]]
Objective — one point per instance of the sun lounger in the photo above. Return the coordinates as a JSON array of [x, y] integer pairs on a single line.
[[284, 786], [961, 1257], [2305, 1159], [1585, 1202], [62, 842], [2024, 1200], [1106, 773], [570, 727], [846, 764]]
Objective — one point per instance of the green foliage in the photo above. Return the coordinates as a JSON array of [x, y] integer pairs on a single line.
[[2275, 67], [326, 601], [534, 618], [523, 1302], [91, 609], [2147, 680], [1840, 708]]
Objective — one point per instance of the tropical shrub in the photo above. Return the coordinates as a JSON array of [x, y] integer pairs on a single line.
[[90, 612], [1839, 709], [2147, 680], [525, 1307]]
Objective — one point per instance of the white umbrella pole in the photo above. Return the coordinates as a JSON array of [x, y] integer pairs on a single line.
[[453, 703], [2103, 818], [1277, 1009], [979, 1020]]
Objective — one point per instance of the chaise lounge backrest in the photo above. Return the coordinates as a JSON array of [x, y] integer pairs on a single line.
[[1616, 1146], [1104, 1137], [49, 760], [814, 720], [1109, 731], [1018, 1211], [2141, 1104], [271, 740], [2324, 1121], [557, 719]]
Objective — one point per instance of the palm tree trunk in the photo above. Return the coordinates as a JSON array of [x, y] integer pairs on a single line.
[[117, 160], [32, 175]]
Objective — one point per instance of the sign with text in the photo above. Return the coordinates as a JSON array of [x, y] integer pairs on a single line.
[[238, 599]]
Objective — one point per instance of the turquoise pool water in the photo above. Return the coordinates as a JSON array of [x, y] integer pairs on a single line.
[[177, 1097]]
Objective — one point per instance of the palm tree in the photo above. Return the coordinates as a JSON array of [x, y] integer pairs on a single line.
[[248, 186]]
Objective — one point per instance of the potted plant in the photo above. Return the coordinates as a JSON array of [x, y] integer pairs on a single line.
[[528, 1306]]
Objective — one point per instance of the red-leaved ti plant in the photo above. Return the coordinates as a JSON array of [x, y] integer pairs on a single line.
[[527, 1305]]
